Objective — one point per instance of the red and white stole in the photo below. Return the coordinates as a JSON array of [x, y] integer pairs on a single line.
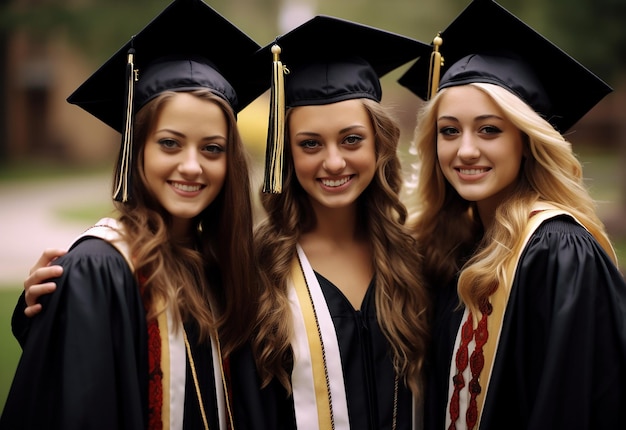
[[172, 351], [317, 378], [540, 212]]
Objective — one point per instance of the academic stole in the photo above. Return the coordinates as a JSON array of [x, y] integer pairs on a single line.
[[174, 366], [169, 351], [541, 211], [319, 393]]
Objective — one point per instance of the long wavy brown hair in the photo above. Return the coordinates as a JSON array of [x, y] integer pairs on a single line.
[[448, 227], [401, 299], [219, 267]]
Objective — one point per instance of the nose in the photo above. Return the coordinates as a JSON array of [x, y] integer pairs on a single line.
[[189, 165], [334, 161], [468, 150]]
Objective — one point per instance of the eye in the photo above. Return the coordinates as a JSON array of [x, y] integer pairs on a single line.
[[490, 129], [353, 139], [167, 143], [309, 144], [448, 131], [214, 148]]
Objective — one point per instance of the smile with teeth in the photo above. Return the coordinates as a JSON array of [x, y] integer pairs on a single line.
[[473, 171], [186, 188], [335, 182]]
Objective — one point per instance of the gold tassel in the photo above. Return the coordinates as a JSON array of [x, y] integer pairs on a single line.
[[436, 62], [273, 181], [123, 181]]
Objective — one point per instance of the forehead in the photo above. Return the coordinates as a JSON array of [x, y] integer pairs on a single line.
[[342, 114], [466, 100]]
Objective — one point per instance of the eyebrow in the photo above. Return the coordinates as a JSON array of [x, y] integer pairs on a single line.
[[478, 118], [179, 134], [343, 130]]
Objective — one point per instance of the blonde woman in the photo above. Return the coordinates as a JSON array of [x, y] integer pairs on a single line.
[[528, 328]]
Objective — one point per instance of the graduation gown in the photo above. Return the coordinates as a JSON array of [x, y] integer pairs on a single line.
[[85, 362], [367, 366], [367, 362], [561, 358], [84, 358]]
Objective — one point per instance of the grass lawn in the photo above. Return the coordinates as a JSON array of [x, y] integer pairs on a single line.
[[10, 351]]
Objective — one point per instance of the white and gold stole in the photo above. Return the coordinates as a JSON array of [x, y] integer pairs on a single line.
[[319, 393]]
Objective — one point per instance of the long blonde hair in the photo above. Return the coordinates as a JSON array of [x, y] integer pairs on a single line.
[[448, 227], [401, 298], [219, 267]]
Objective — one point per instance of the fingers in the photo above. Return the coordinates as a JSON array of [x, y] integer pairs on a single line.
[[34, 285], [31, 311], [47, 257], [34, 291]]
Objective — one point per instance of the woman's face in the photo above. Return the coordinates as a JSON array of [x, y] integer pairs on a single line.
[[185, 156], [480, 151], [333, 149]]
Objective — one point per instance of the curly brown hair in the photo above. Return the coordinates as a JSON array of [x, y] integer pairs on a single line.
[[401, 298]]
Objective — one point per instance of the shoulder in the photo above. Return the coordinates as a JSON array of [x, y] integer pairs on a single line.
[[561, 248], [561, 231], [562, 224], [95, 249], [93, 266]]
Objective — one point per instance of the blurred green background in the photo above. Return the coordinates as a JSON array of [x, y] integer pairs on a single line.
[[56, 151]]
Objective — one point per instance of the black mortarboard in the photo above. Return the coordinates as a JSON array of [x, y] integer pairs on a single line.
[[486, 43], [328, 60], [187, 46]]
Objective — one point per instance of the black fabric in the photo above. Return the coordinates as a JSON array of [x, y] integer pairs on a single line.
[[84, 359], [186, 29], [203, 361], [549, 74], [367, 364], [253, 408], [84, 362], [331, 60], [561, 359]]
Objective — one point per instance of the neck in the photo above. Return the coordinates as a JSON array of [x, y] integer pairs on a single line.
[[338, 224]]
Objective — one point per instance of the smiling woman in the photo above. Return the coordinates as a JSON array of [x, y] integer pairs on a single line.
[[526, 284], [343, 309], [478, 148], [185, 155], [149, 305], [333, 150]]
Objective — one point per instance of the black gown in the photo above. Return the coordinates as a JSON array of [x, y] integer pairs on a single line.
[[368, 370], [85, 363], [367, 362], [561, 359]]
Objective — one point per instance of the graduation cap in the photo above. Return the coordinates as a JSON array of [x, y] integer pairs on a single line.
[[187, 46], [327, 60], [486, 43]]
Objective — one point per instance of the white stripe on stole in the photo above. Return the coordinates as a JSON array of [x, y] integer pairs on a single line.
[[302, 376], [219, 384], [178, 373]]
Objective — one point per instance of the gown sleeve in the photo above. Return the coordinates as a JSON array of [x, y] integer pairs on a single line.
[[84, 357], [561, 360], [19, 321]]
